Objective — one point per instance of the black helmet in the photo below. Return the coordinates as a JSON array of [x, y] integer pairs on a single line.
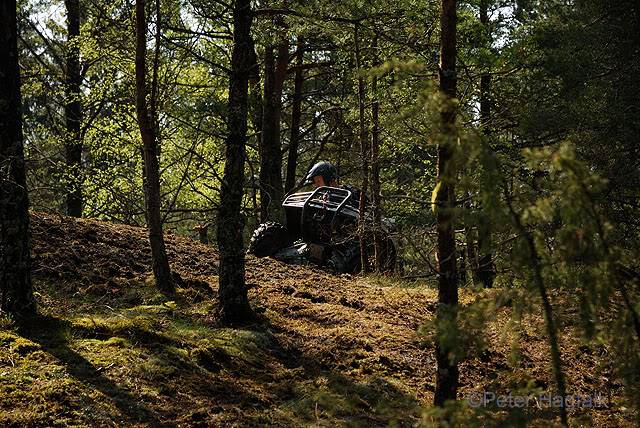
[[324, 169]]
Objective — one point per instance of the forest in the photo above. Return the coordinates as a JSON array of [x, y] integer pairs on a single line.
[[312, 213]]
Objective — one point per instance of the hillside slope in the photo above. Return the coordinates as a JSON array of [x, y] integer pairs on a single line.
[[329, 350]]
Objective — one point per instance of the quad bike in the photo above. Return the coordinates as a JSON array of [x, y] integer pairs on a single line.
[[321, 228]]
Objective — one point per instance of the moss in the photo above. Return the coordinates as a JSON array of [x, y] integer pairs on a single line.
[[117, 342], [23, 346], [138, 358], [156, 369], [163, 308], [187, 329], [128, 323], [338, 399], [7, 337], [38, 395], [211, 358], [6, 322]]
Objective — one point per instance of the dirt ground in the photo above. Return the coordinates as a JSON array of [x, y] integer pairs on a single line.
[[339, 350]]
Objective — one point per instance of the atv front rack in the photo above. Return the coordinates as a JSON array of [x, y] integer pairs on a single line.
[[327, 200]]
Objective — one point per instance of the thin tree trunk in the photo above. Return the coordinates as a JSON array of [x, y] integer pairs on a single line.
[[364, 154], [375, 166], [15, 257], [254, 113], [296, 116], [73, 110], [161, 269], [255, 96], [470, 247], [447, 374], [485, 269], [232, 291], [462, 268], [255, 103], [266, 140], [272, 191]]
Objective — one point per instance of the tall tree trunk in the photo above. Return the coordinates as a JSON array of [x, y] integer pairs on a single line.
[[364, 153], [232, 292], [255, 96], [447, 375], [255, 115], [15, 258], [375, 166], [485, 269], [272, 191], [161, 270], [73, 110], [255, 104], [296, 116]]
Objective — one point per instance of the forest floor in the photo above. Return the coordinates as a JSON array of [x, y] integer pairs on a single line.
[[108, 350]]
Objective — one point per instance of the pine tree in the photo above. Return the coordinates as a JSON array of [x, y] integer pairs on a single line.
[[148, 131], [447, 375], [15, 257], [232, 292], [73, 109]]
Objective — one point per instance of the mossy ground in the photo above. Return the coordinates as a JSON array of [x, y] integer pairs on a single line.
[[108, 350], [167, 363]]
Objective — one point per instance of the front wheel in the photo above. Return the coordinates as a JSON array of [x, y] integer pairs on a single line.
[[345, 258], [268, 239]]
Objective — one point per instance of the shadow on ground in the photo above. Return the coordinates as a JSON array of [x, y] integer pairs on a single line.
[[173, 375]]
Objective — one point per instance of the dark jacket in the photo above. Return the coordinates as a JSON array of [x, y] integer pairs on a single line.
[[355, 195]]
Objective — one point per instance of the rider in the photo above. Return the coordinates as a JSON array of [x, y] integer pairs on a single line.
[[325, 174], [347, 252]]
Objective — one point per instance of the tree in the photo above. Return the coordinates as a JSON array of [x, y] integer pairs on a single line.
[[73, 109], [296, 116], [232, 291], [375, 165], [15, 257], [484, 269], [271, 190], [364, 150], [148, 131], [447, 374]]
